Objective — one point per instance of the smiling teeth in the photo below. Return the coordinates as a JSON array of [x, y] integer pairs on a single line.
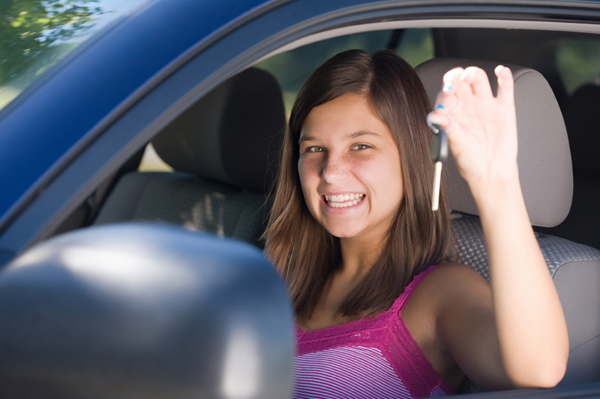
[[336, 201]]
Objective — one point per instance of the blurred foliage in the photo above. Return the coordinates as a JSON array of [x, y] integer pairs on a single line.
[[34, 34], [416, 46], [292, 68], [578, 62]]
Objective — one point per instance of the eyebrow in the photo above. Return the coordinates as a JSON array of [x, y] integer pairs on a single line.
[[348, 137], [362, 133]]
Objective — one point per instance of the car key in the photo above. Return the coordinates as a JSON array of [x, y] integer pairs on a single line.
[[439, 155]]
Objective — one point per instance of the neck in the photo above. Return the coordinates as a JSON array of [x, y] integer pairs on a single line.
[[359, 256]]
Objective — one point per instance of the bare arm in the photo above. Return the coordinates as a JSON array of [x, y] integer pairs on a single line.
[[520, 337]]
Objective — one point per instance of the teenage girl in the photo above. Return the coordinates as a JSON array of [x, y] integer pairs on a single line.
[[381, 308]]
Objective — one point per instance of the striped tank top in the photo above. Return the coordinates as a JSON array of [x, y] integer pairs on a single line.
[[375, 358]]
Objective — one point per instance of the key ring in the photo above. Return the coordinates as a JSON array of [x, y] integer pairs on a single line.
[[435, 127]]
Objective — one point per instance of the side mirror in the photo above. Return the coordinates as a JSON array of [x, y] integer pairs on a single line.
[[144, 310]]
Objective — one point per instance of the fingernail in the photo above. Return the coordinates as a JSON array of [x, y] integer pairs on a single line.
[[440, 106], [447, 87], [466, 74]]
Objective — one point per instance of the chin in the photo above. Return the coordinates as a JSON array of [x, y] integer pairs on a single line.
[[342, 231]]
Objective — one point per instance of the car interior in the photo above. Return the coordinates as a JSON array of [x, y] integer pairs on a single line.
[[222, 153]]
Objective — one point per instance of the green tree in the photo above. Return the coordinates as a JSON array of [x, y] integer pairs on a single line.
[[578, 62], [33, 31]]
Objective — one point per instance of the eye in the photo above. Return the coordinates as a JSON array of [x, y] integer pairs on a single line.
[[360, 146], [315, 149]]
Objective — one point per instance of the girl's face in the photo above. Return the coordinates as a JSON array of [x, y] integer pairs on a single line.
[[350, 169]]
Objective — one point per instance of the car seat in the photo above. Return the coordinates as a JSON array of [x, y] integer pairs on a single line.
[[223, 150], [546, 176]]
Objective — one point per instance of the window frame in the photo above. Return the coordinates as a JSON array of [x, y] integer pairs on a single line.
[[283, 25]]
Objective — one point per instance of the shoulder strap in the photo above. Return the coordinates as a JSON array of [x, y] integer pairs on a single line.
[[410, 288]]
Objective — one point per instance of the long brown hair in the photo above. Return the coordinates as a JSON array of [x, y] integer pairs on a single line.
[[304, 252]]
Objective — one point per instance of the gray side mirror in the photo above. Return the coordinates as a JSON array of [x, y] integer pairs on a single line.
[[144, 310]]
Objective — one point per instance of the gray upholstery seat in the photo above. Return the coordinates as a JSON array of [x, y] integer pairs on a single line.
[[546, 176], [223, 150]]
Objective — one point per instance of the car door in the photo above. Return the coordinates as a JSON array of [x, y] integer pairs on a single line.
[[105, 103]]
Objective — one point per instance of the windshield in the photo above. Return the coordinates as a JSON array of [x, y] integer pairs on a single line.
[[36, 34]]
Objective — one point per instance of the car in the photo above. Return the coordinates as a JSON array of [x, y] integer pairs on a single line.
[[138, 148]]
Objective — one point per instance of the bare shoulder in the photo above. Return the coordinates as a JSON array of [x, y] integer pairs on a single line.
[[440, 307], [446, 270], [450, 284], [452, 275]]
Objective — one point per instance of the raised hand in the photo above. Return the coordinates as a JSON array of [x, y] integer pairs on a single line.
[[522, 339], [481, 128]]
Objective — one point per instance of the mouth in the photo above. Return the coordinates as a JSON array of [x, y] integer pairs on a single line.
[[343, 200]]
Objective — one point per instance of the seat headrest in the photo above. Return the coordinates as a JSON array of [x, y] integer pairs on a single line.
[[544, 158], [230, 135]]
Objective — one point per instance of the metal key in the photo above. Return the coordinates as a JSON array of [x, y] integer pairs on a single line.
[[439, 155]]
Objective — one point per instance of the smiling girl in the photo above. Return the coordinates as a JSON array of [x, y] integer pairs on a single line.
[[381, 309]]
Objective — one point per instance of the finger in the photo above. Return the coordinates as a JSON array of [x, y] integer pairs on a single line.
[[451, 78], [506, 84], [446, 98], [478, 81], [439, 120], [445, 101], [463, 86]]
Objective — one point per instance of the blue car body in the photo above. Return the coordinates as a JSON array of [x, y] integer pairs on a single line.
[[49, 127], [76, 124]]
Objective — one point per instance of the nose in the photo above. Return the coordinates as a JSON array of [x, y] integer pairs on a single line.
[[334, 169]]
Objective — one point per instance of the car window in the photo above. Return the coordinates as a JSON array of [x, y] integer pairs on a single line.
[[36, 34], [578, 63], [416, 46], [293, 67], [152, 162]]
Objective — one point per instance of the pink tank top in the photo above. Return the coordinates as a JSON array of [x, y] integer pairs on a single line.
[[375, 357]]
